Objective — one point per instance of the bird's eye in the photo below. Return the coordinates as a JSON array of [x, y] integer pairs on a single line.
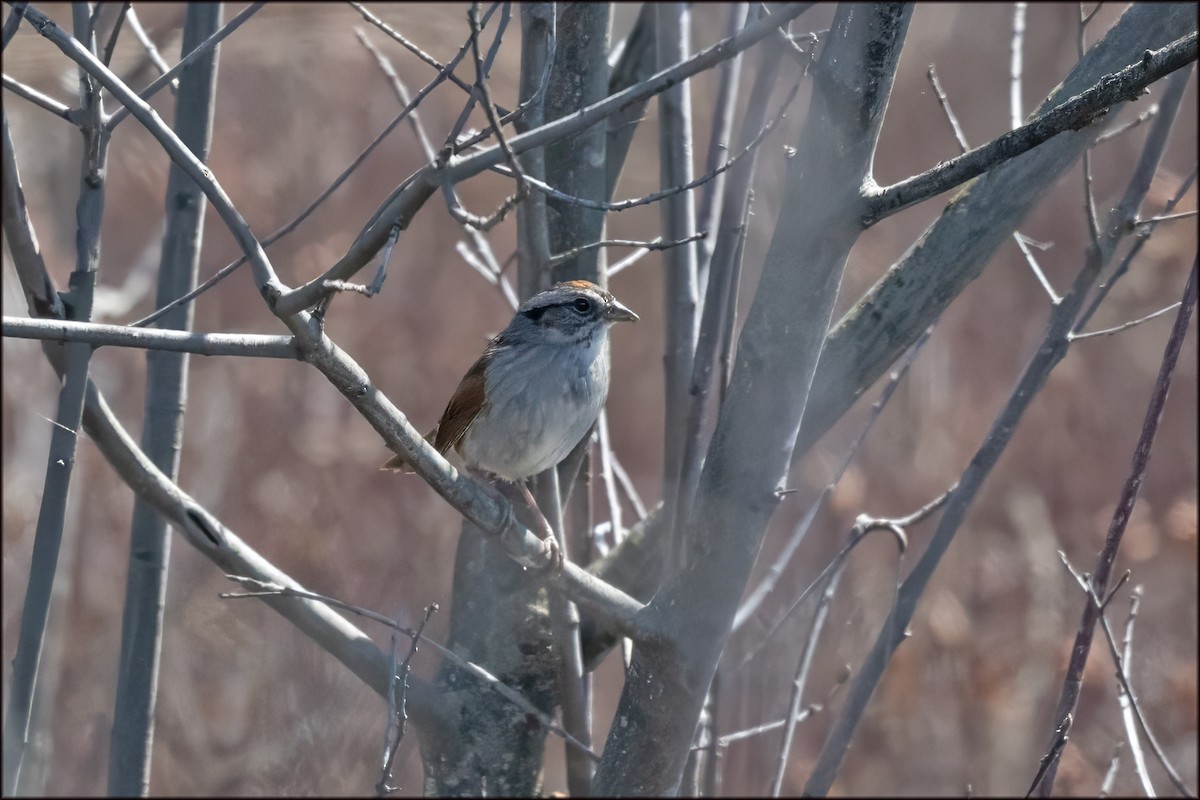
[[583, 305]]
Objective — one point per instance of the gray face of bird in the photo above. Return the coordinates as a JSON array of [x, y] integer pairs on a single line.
[[571, 312]]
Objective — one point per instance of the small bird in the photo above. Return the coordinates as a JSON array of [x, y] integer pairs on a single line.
[[535, 391]]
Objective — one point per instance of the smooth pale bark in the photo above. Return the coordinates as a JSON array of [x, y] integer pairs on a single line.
[[820, 219], [162, 437]]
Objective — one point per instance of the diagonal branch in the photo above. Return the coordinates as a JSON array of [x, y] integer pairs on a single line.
[[169, 76], [1074, 114], [464, 167]]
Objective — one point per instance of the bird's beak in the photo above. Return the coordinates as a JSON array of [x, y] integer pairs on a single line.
[[615, 312]]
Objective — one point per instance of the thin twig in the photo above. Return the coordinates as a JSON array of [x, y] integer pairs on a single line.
[[1110, 775], [1143, 235], [1128, 126], [656, 244], [759, 730], [1089, 199], [13, 22], [960, 137], [135, 25], [615, 520], [755, 598], [628, 261], [452, 201], [1126, 326], [169, 76], [1086, 583], [1061, 736], [111, 46], [863, 527], [628, 487], [490, 275], [417, 51], [38, 99], [452, 144], [398, 709], [206, 344], [266, 589], [1074, 113], [622, 205], [1015, 66], [462, 168], [1126, 700], [944, 102], [708, 214], [290, 226], [1165, 218], [803, 665], [1098, 584]]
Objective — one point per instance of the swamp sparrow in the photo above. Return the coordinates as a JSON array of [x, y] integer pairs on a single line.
[[535, 391]]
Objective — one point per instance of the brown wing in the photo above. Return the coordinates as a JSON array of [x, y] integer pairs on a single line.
[[465, 404]]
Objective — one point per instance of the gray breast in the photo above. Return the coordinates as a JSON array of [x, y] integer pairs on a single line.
[[540, 404]]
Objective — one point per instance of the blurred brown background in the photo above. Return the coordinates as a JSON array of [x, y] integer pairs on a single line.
[[247, 705]]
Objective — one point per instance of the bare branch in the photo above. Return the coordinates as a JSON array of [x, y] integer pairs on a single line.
[[398, 709], [135, 25], [452, 143], [645, 247], [204, 344], [13, 22], [1074, 114], [961, 138], [38, 99], [1127, 701], [1165, 218], [1015, 66], [944, 102], [1111, 775], [755, 598], [622, 205], [41, 297], [1023, 243], [109, 48], [1128, 126], [1144, 233], [1052, 755], [407, 199], [628, 261], [169, 76], [1126, 326], [461, 168], [1049, 354], [1098, 585], [418, 52], [264, 589], [452, 202]]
